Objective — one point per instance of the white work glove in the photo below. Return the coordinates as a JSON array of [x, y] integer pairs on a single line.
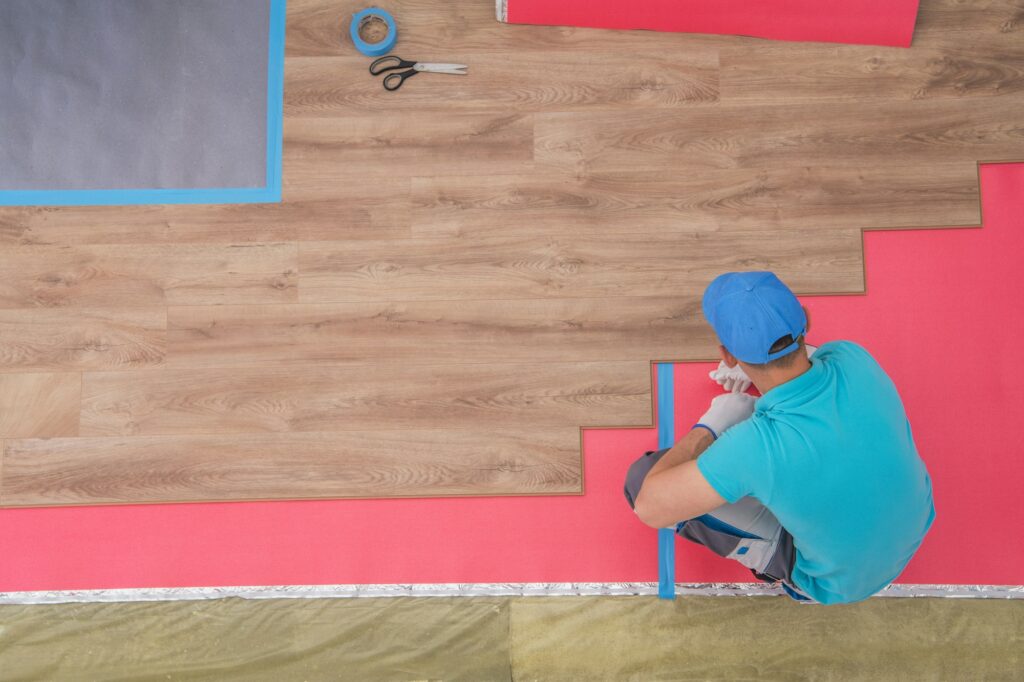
[[726, 411], [734, 379]]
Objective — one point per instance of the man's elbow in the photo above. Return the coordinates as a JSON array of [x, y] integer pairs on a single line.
[[649, 512]]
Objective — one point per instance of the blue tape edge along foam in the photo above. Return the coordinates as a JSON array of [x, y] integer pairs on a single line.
[[666, 439], [373, 49], [127, 197]]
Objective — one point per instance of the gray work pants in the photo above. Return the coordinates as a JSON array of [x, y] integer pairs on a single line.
[[745, 531]]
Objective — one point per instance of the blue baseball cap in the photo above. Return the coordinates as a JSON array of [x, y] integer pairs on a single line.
[[750, 311]]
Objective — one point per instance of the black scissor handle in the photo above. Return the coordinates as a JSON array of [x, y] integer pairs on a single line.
[[393, 81], [389, 63]]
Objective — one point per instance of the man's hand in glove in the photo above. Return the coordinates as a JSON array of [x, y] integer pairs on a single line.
[[727, 411], [734, 379]]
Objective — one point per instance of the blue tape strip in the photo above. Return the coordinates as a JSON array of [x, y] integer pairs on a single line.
[[275, 98], [124, 197], [666, 439], [373, 49], [207, 195]]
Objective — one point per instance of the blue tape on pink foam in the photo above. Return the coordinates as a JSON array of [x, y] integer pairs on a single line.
[[666, 439]]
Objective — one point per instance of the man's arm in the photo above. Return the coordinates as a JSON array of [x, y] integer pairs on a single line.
[[692, 444], [675, 490]]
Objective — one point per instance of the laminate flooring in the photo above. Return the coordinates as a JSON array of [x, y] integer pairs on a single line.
[[465, 272]]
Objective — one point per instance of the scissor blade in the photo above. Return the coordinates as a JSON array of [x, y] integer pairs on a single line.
[[456, 69]]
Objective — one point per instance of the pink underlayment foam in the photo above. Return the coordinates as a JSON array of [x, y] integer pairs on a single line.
[[863, 22], [943, 314]]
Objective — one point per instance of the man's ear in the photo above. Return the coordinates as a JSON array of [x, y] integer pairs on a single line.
[[807, 314], [727, 357]]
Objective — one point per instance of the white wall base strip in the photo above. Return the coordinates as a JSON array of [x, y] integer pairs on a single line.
[[474, 590]]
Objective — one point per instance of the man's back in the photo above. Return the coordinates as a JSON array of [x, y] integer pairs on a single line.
[[831, 454]]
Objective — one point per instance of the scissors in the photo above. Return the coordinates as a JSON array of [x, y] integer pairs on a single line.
[[393, 81]]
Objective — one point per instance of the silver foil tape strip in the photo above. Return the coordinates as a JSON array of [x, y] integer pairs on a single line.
[[474, 590], [501, 10]]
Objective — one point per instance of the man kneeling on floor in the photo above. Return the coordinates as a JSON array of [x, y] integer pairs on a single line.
[[817, 484]]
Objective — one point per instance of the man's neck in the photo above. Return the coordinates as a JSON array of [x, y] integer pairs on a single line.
[[766, 381]]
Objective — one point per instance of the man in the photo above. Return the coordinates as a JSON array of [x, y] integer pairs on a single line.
[[817, 484]]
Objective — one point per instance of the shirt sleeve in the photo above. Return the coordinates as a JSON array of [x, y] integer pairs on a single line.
[[737, 464]]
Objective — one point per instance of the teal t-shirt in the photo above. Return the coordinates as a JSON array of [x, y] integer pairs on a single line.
[[831, 454]]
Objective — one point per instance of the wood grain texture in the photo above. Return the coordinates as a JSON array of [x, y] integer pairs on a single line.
[[780, 200], [391, 463], [463, 273], [86, 338], [376, 211], [582, 266], [39, 405], [516, 81], [987, 25], [437, 332], [770, 136], [365, 397], [784, 74], [321, 153], [57, 276]]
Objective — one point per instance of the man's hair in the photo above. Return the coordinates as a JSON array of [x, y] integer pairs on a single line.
[[786, 360]]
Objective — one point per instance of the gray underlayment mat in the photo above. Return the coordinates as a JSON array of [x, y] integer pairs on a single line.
[[519, 638], [133, 94]]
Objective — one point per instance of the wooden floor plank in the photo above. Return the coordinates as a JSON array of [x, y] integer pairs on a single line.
[[321, 153], [516, 81], [785, 74], [797, 199], [771, 136], [51, 339], [988, 25], [133, 275], [375, 211], [39, 405], [365, 397], [442, 332], [403, 463], [583, 266]]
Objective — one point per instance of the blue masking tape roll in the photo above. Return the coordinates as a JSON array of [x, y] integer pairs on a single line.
[[373, 49]]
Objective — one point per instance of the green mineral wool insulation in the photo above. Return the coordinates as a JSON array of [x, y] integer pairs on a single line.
[[517, 638]]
